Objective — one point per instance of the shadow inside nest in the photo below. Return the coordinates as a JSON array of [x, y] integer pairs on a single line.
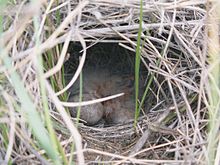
[[108, 71]]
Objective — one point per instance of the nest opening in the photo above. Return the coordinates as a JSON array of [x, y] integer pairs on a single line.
[[108, 70]]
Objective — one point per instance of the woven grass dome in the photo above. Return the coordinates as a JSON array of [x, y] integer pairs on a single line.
[[149, 68]]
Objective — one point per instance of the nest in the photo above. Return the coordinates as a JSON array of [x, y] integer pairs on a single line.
[[172, 129]]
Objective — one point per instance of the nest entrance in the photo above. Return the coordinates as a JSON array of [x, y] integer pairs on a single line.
[[108, 70]]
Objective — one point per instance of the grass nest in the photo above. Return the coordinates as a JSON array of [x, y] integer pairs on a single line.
[[41, 42]]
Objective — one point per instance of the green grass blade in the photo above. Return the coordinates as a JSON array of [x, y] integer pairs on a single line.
[[40, 73], [80, 96], [137, 64]]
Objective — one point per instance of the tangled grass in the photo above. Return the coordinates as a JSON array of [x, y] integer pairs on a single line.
[[179, 48]]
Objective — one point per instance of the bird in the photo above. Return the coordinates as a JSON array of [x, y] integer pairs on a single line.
[[90, 114], [98, 83], [119, 111]]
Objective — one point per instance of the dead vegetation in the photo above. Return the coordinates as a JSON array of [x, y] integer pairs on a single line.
[[173, 129]]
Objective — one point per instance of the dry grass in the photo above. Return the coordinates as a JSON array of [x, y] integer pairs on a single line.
[[35, 127]]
